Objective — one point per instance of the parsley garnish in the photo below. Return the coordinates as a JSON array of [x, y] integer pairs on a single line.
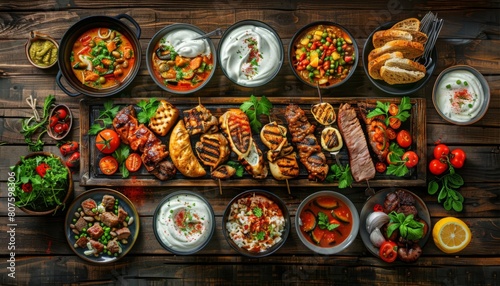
[[148, 110], [398, 167], [105, 118], [254, 108], [260, 235], [343, 175], [240, 170], [324, 223], [382, 108]]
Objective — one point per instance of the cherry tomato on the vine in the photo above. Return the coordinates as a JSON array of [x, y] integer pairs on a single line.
[[410, 158], [61, 113], [107, 141], [457, 158], [380, 167], [53, 121], [437, 167], [441, 150]]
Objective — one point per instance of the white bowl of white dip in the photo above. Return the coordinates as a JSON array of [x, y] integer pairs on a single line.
[[250, 53], [461, 95], [184, 222]]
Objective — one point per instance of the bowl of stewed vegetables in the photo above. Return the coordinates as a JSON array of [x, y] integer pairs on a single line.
[[180, 59], [323, 54], [99, 56]]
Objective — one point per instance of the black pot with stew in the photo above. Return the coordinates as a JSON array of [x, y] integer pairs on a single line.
[[99, 56]]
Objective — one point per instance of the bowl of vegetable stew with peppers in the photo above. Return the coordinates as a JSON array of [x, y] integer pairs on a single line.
[[327, 222], [43, 184], [323, 54]]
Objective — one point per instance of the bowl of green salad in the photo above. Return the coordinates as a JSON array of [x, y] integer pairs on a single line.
[[43, 184]]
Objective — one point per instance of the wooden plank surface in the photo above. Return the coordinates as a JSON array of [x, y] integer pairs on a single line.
[[471, 36]]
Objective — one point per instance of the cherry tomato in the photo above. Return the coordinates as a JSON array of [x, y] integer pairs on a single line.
[[133, 162], [390, 133], [42, 169], [395, 123], [388, 251], [53, 120], [457, 158], [68, 148], [74, 160], [58, 128], [441, 150], [27, 187], [108, 165], [410, 158], [65, 127], [378, 208], [61, 113], [404, 139], [393, 109], [107, 141], [437, 167], [380, 167]]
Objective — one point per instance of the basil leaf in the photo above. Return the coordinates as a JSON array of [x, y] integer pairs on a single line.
[[432, 187], [457, 206], [391, 228]]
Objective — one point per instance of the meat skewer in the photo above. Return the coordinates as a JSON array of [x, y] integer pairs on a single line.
[[362, 166], [309, 150]]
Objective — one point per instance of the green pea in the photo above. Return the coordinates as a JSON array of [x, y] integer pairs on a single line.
[[323, 41], [309, 44], [327, 44], [339, 49], [77, 237], [311, 74], [325, 34], [309, 37]]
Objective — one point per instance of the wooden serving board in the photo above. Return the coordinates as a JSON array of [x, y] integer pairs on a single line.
[[92, 176]]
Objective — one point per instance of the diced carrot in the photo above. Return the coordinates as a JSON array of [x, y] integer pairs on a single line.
[[111, 45], [91, 77], [180, 61]]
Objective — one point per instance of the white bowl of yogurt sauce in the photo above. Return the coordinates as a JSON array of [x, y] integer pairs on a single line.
[[461, 95], [184, 222], [250, 53]]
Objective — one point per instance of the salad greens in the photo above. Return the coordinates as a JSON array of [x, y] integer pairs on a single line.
[[40, 193]]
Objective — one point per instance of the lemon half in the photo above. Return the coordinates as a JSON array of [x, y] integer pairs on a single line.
[[451, 234]]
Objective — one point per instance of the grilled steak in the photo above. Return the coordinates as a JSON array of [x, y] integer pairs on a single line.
[[200, 120], [164, 170], [310, 153], [361, 163]]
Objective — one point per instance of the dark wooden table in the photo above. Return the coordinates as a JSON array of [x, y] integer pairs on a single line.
[[471, 36]]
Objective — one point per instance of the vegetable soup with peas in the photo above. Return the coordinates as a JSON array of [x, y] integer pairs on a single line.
[[102, 58], [323, 55]]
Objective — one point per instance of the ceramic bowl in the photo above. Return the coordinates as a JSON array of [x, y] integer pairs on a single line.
[[184, 76], [331, 207], [184, 222], [64, 197], [256, 242], [78, 222], [306, 69], [461, 95], [250, 53], [41, 50], [63, 123]]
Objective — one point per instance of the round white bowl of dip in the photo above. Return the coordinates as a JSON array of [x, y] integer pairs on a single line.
[[461, 95], [250, 53], [184, 222]]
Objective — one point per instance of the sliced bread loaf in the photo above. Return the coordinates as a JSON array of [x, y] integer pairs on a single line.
[[375, 65], [382, 37], [406, 64], [408, 48], [395, 75], [412, 24]]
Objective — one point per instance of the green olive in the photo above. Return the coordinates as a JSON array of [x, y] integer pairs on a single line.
[[102, 80]]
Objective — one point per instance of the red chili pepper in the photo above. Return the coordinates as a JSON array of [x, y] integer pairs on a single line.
[[42, 169], [27, 187]]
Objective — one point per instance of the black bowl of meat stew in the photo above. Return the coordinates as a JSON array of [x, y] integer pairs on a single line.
[[99, 56]]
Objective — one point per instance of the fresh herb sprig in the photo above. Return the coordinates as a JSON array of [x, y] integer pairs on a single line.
[[324, 222], [148, 110], [342, 174], [240, 170], [254, 108], [397, 167], [448, 195], [409, 228], [29, 127], [105, 118], [121, 155], [257, 211], [382, 108]]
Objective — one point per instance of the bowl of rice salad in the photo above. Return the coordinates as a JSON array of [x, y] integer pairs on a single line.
[[256, 223]]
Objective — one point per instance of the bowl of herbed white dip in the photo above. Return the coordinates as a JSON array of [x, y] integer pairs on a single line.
[[250, 53], [184, 222], [461, 95]]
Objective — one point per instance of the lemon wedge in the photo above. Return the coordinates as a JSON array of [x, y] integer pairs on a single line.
[[451, 234]]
